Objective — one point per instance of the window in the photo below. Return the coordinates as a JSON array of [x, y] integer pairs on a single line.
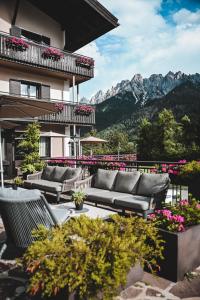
[[45, 146], [35, 37], [30, 90]]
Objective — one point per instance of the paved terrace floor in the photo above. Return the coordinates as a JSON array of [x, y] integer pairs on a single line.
[[150, 288]]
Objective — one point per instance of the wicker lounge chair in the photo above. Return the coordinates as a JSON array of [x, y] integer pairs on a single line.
[[24, 210]]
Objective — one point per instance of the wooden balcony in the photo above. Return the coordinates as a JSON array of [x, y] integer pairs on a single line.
[[33, 56], [68, 116]]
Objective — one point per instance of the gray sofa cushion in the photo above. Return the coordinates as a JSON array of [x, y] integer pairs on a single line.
[[134, 202], [47, 172], [126, 182], [105, 179], [45, 185], [104, 196], [58, 174], [152, 183], [71, 173]]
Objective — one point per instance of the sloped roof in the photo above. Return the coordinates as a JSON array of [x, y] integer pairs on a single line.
[[83, 20]]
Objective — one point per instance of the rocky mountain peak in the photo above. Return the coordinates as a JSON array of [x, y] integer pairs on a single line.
[[144, 89]]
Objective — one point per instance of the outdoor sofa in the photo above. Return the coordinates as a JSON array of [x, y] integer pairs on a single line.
[[54, 179], [141, 193]]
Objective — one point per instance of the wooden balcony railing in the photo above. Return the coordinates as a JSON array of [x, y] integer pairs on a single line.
[[67, 115], [33, 56]]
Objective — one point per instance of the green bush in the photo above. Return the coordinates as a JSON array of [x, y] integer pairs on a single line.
[[29, 145], [88, 256], [190, 171]]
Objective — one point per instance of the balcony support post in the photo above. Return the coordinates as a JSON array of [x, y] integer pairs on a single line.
[[77, 98], [15, 12], [73, 86]]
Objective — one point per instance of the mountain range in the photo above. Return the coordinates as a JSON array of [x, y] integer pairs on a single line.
[[125, 104], [144, 89]]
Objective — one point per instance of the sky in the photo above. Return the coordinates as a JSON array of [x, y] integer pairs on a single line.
[[154, 37]]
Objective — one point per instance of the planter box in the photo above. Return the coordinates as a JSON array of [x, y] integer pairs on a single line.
[[181, 254]]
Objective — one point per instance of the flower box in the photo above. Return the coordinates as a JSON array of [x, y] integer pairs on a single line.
[[83, 110], [85, 62], [181, 253], [16, 44], [51, 53]]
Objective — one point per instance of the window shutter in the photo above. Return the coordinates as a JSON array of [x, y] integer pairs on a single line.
[[45, 92], [16, 31], [15, 87]]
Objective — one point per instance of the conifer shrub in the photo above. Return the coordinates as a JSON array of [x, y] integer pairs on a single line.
[[90, 257]]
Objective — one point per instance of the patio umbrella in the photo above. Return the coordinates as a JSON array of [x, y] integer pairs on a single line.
[[92, 140], [15, 107], [5, 125]]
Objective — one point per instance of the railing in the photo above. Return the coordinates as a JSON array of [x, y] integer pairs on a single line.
[[67, 115], [90, 166], [34, 56]]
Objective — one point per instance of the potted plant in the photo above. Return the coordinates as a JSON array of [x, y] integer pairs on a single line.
[[17, 181], [179, 227], [90, 258], [16, 44], [84, 110], [59, 107], [78, 198], [85, 62], [29, 146], [51, 53]]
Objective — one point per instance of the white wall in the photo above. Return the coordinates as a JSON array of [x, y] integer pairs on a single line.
[[31, 18], [59, 89]]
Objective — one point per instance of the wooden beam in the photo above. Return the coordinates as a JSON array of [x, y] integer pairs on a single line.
[[15, 12]]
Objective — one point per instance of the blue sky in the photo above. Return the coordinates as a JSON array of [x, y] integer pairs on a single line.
[[154, 36]]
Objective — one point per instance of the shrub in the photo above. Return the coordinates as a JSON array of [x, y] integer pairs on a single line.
[[89, 256], [191, 170]]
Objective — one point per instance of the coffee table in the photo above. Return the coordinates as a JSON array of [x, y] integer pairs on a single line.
[[88, 210]]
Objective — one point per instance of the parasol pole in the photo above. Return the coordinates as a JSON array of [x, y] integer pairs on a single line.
[[1, 161]]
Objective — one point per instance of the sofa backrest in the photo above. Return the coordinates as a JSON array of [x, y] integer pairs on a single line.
[[105, 179], [60, 174], [152, 183], [47, 173], [126, 182]]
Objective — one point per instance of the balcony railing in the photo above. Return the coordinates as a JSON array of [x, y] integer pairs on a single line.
[[68, 115], [33, 56]]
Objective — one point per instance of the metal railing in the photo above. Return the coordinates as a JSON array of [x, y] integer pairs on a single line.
[[90, 166], [34, 56]]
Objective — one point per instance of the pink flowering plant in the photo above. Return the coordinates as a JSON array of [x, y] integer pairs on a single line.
[[59, 107], [178, 217], [84, 110], [16, 44], [85, 62], [52, 53]]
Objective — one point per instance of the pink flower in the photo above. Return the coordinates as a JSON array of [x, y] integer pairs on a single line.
[[181, 227], [184, 203], [178, 218], [198, 206], [151, 216]]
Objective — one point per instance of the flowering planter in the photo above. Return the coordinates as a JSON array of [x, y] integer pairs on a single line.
[[53, 54], [85, 62], [83, 110], [16, 44], [181, 253]]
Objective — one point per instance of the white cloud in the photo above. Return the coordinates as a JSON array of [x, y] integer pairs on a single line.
[[186, 18], [144, 43]]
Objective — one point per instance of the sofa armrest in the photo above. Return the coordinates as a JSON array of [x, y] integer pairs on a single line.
[[35, 176], [69, 184], [85, 183], [157, 199]]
